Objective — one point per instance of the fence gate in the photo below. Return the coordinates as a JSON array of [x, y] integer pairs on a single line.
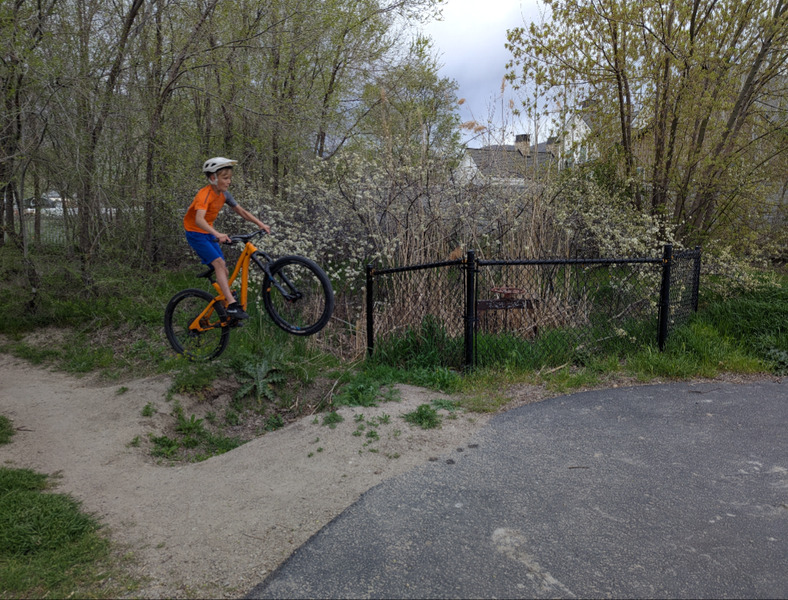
[[531, 312]]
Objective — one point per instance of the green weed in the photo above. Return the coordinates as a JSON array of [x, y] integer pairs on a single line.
[[425, 416], [164, 447], [258, 378], [274, 422], [190, 426], [332, 419], [148, 410]]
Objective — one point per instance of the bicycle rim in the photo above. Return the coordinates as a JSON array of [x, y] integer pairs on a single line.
[[195, 345], [299, 299]]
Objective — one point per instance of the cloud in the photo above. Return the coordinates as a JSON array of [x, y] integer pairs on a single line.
[[470, 43]]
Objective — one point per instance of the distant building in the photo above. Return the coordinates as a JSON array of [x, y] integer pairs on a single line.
[[509, 165]]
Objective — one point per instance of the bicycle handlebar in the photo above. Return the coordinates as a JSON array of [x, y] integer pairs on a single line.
[[234, 239]]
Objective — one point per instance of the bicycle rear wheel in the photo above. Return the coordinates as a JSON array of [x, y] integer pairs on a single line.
[[298, 295], [205, 343]]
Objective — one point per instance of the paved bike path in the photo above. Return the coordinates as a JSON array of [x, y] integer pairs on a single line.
[[675, 490]]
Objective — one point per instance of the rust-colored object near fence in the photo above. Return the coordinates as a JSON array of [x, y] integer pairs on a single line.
[[508, 311]]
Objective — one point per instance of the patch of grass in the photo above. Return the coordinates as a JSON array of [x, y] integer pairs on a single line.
[[570, 378], [362, 391], [6, 430], [484, 403], [214, 444], [446, 404], [332, 419], [148, 410], [192, 440], [193, 378], [36, 355], [425, 416], [427, 345], [82, 358], [437, 378], [274, 422], [697, 349], [164, 446], [232, 417], [48, 547]]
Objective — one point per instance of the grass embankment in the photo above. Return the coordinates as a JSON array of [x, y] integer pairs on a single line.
[[48, 546]]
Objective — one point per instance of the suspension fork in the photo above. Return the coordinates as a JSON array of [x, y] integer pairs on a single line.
[[293, 294]]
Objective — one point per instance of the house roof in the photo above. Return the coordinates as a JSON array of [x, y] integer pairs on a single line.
[[506, 161]]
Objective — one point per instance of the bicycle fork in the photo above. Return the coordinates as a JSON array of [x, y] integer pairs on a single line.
[[290, 296]]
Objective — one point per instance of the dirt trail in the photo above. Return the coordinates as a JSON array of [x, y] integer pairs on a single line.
[[214, 528]]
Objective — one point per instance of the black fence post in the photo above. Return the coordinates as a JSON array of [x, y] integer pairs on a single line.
[[370, 310], [470, 309], [696, 280], [664, 297]]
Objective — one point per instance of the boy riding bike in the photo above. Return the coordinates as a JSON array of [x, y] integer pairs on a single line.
[[198, 223]]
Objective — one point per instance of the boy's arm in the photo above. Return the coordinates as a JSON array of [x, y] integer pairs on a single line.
[[199, 219], [242, 212]]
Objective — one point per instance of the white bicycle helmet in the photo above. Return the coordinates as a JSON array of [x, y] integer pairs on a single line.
[[219, 162]]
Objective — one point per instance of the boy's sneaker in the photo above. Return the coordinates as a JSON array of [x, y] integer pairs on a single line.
[[235, 311]]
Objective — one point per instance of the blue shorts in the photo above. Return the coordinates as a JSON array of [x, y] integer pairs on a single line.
[[205, 245]]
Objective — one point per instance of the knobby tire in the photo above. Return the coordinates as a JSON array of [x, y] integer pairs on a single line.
[[181, 311], [310, 301]]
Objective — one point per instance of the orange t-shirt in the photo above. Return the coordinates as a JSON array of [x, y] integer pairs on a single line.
[[209, 201]]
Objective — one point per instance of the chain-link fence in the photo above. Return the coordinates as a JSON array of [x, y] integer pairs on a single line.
[[528, 313], [414, 310], [534, 313], [684, 286]]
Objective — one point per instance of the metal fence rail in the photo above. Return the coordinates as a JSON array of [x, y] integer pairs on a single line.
[[403, 301], [532, 312]]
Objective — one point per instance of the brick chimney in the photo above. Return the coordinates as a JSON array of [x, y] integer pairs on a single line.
[[522, 143]]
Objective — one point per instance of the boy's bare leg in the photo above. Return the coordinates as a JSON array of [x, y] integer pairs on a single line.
[[222, 278]]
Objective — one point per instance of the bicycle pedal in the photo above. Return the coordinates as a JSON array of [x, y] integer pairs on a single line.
[[237, 323]]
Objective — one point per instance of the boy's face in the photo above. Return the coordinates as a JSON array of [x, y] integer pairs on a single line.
[[222, 180]]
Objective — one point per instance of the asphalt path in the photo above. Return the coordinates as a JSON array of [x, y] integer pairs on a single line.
[[663, 491]]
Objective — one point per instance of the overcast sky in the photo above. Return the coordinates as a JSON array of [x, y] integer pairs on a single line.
[[470, 43]]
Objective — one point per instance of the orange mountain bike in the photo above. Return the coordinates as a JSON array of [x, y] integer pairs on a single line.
[[296, 294]]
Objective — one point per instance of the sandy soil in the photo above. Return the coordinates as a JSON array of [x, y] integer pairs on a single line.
[[218, 527]]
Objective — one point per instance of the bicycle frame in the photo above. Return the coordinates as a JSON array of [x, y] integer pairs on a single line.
[[202, 322]]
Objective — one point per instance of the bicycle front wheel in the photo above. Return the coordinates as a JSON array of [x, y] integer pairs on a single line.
[[298, 296], [202, 339]]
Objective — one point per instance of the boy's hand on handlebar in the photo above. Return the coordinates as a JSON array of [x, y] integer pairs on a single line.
[[223, 238]]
